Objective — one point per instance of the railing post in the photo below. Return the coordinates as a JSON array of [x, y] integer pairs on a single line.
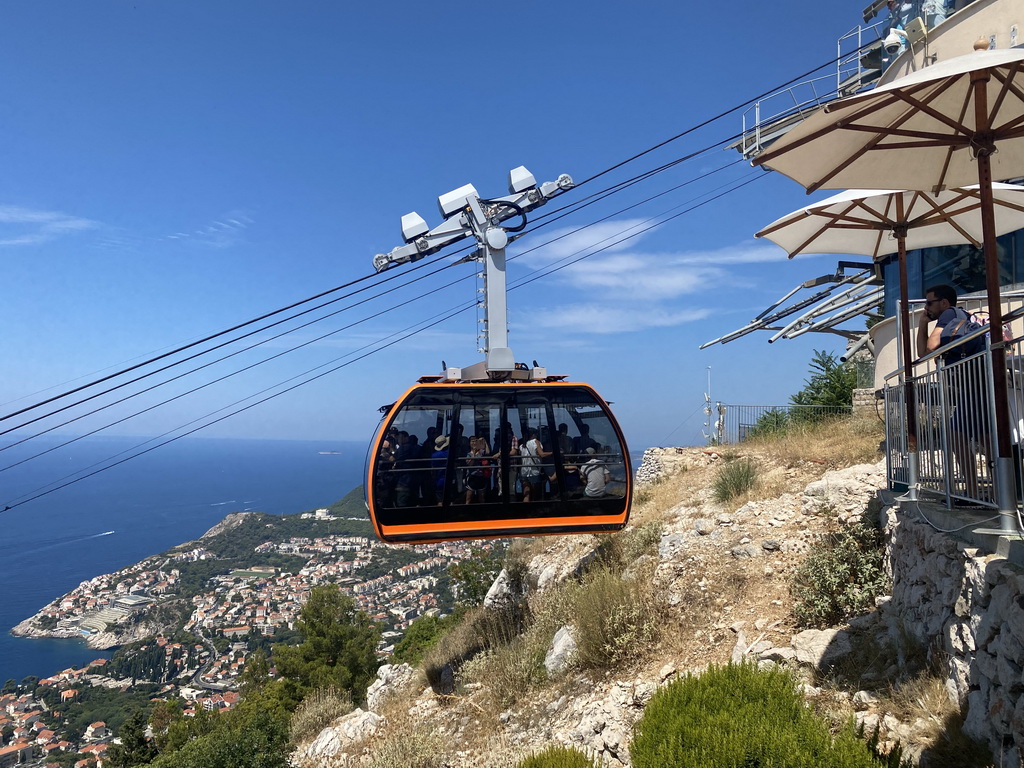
[[913, 441], [1005, 487], [947, 451]]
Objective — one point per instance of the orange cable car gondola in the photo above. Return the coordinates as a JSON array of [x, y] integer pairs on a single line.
[[497, 449], [475, 460]]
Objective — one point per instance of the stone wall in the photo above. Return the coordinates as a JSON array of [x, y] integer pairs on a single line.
[[967, 608], [865, 404]]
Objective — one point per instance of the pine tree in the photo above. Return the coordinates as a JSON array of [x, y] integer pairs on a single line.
[[135, 749], [339, 647]]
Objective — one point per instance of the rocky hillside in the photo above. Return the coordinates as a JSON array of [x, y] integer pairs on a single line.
[[720, 575]]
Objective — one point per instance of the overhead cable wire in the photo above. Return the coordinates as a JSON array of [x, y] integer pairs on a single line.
[[394, 276], [284, 333], [547, 217], [587, 180], [656, 224], [403, 334], [620, 211], [717, 117], [219, 334], [541, 273], [612, 190], [221, 378]]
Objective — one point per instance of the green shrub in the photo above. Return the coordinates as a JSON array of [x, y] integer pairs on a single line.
[[738, 716], [481, 628], [768, 424], [557, 757], [840, 578], [317, 711], [417, 748], [617, 551], [422, 635], [734, 479], [615, 619]]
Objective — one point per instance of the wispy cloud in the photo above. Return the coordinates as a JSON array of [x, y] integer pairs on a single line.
[[605, 318], [623, 286], [27, 226], [223, 232]]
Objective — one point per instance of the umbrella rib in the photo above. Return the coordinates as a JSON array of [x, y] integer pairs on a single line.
[[926, 107], [1007, 87], [926, 139], [823, 228], [773, 152], [878, 245], [876, 216], [941, 183]]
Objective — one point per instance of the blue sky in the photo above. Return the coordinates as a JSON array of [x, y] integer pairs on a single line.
[[172, 169]]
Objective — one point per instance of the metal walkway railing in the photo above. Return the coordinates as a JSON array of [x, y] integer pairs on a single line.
[[736, 423], [955, 430]]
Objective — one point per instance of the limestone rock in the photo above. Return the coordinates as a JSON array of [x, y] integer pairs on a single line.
[[559, 655], [390, 679], [353, 728], [819, 647]]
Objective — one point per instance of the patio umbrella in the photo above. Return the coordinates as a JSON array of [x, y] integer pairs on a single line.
[[954, 123], [877, 222]]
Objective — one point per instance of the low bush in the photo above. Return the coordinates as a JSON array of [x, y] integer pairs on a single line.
[[615, 618], [557, 757], [410, 748], [317, 711], [734, 479], [480, 629], [509, 671], [616, 551], [737, 716], [840, 578]]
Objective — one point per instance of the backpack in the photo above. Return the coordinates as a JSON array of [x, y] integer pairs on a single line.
[[963, 325]]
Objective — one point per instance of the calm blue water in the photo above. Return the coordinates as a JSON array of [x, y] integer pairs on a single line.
[[171, 495]]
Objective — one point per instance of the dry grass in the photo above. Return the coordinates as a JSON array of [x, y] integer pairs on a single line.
[[838, 443], [923, 698], [616, 620], [317, 711], [925, 701]]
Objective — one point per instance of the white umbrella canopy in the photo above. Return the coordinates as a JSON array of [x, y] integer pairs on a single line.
[[922, 131], [867, 221], [877, 222], [954, 123]]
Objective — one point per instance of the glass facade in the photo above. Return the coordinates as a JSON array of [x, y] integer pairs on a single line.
[[961, 266]]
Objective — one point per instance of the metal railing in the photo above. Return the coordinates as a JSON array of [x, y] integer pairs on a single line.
[[955, 415], [736, 423]]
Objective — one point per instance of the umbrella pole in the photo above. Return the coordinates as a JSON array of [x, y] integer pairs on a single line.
[[909, 395], [1006, 495]]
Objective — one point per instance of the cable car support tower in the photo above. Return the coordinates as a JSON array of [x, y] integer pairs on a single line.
[[466, 214]]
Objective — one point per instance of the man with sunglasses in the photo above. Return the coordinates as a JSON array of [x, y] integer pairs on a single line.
[[966, 387]]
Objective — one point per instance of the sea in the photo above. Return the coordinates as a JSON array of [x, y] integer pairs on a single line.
[[142, 507]]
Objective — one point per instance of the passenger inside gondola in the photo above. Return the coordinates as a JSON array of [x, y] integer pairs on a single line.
[[595, 473], [478, 471], [530, 473], [450, 485], [439, 464]]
